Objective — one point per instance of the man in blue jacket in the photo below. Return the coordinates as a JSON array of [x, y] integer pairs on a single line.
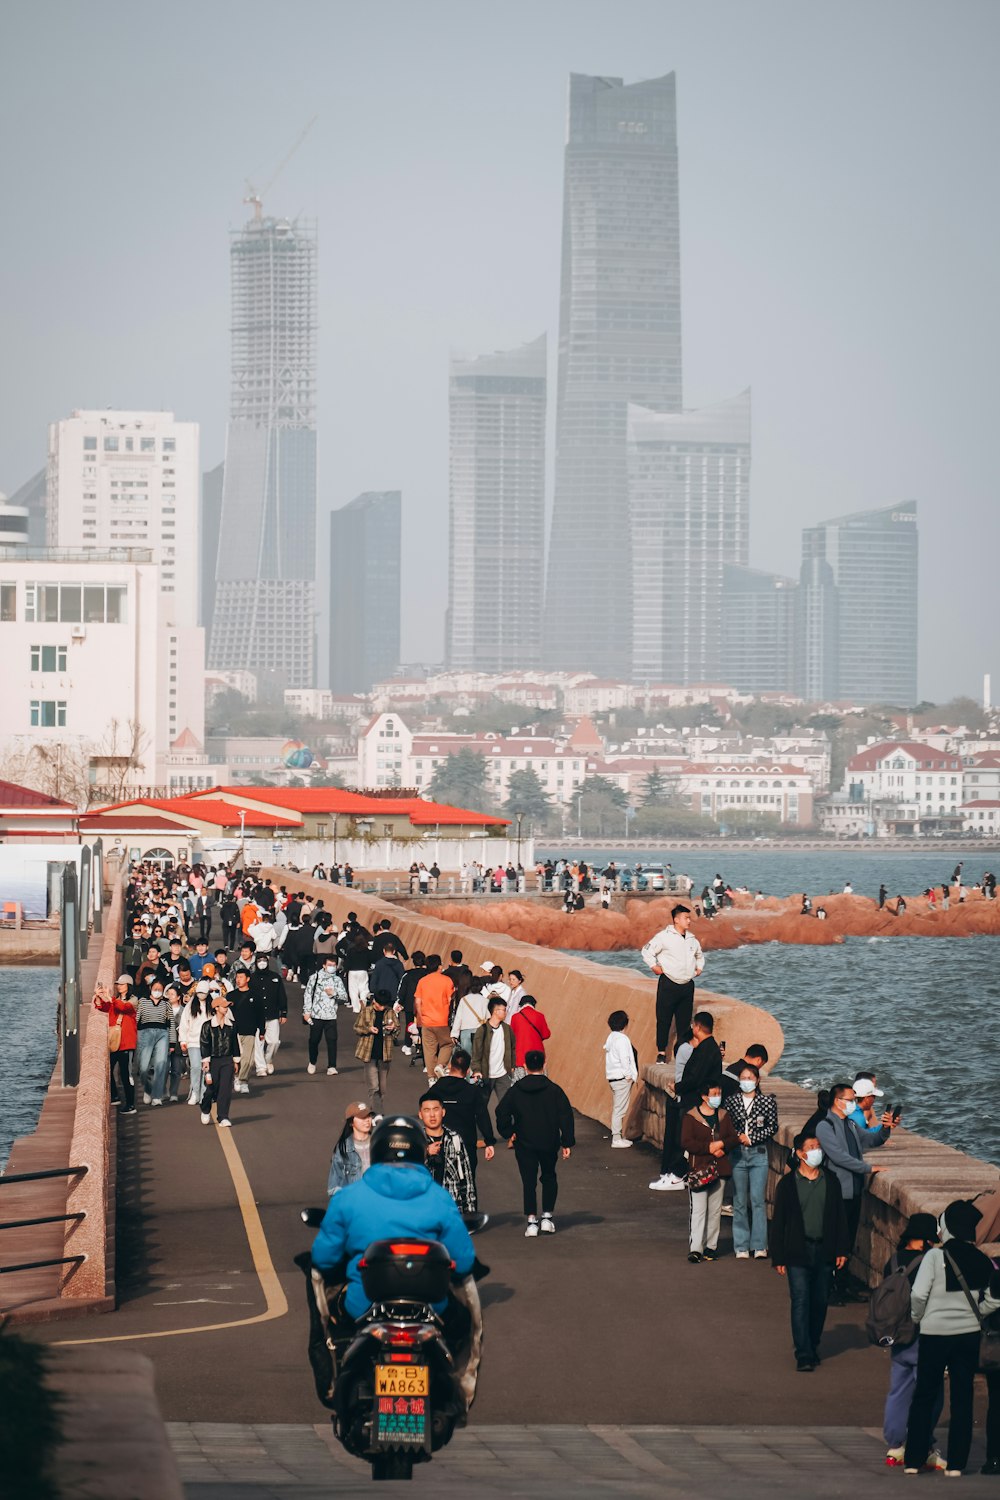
[[844, 1146], [396, 1196]]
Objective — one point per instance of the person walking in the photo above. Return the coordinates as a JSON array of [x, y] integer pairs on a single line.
[[357, 961], [621, 1071], [675, 956], [248, 1018], [376, 1027], [707, 1138], [954, 1281], [530, 1031], [192, 1018], [447, 1159], [810, 1236], [465, 1108], [470, 1009], [220, 1059], [432, 1004], [493, 1051], [919, 1236], [120, 1006], [153, 1021], [537, 1115], [352, 1153], [323, 995], [755, 1119], [269, 988]]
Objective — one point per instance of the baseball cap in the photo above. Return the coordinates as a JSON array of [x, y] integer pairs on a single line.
[[202, 987], [124, 979], [357, 1112], [488, 966], [865, 1089]]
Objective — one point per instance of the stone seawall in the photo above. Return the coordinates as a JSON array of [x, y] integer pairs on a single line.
[[577, 996]]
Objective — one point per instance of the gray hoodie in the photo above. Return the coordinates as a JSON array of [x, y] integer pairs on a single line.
[[939, 1311]]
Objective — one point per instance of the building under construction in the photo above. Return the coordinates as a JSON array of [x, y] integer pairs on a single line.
[[264, 609]]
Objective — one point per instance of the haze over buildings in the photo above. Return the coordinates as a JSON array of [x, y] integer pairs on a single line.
[[364, 591]]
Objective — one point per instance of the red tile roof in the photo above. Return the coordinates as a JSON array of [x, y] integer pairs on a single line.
[[302, 799], [207, 810], [13, 795], [926, 756]]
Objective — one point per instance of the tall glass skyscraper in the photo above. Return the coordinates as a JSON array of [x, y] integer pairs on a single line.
[[619, 342], [264, 613], [497, 510], [870, 559], [689, 483], [365, 555]]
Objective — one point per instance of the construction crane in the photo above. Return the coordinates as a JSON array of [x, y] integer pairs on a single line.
[[257, 198]]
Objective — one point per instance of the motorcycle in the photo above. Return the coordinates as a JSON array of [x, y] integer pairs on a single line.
[[403, 1378]]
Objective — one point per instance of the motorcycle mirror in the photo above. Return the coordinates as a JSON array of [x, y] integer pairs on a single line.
[[475, 1222], [312, 1216]]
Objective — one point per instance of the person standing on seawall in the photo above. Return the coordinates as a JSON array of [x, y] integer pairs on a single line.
[[675, 956]]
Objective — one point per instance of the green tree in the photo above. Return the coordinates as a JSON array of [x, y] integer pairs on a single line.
[[656, 789], [676, 821], [461, 781], [602, 805], [526, 796]]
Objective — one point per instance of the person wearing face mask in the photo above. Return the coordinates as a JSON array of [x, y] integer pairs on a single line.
[[269, 989], [324, 993], [844, 1146], [153, 1021], [707, 1138], [950, 1337], [809, 1239], [755, 1119]]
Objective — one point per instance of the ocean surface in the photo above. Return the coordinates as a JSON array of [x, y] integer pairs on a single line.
[[28, 1005], [789, 872], [924, 1013]]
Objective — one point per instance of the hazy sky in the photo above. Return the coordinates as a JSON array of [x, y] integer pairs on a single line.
[[839, 219]]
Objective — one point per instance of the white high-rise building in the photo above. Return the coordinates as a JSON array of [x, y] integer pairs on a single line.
[[127, 479]]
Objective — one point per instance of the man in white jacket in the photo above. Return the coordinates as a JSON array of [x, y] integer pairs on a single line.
[[621, 1072], [675, 956]]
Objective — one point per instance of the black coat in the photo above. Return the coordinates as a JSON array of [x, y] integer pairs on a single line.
[[465, 1111], [248, 1011], [538, 1112], [788, 1240], [702, 1071], [269, 990]]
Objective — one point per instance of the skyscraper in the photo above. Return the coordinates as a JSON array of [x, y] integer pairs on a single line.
[[264, 615], [497, 510], [816, 618], [211, 519], [758, 630], [689, 483], [619, 342], [365, 554], [870, 559]]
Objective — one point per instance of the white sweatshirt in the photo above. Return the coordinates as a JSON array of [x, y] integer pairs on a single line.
[[619, 1059]]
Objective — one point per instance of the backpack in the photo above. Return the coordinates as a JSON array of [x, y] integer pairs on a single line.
[[889, 1323]]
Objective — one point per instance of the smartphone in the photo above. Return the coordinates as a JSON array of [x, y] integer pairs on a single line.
[[897, 1110]]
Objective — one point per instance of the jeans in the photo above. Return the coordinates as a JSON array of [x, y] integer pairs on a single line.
[[317, 1031], [902, 1384], [749, 1207], [809, 1290], [621, 1092], [175, 1069], [465, 1038], [197, 1088], [533, 1164], [705, 1218], [121, 1063], [958, 1353], [153, 1053]]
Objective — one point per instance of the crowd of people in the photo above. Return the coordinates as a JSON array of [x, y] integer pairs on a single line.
[[180, 1014]]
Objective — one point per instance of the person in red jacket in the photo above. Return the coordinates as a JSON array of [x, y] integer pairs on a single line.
[[531, 1031], [121, 1007]]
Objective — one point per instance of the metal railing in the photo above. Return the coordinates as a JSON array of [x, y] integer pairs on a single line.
[[62, 1260]]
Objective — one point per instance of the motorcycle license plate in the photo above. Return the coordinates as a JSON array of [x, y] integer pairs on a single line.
[[402, 1406]]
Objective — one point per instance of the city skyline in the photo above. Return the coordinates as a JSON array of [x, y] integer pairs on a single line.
[[791, 266]]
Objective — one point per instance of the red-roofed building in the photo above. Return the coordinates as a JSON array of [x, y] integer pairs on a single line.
[[27, 815]]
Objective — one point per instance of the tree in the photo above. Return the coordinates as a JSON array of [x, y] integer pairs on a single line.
[[526, 797], [676, 821], [602, 805], [461, 780], [655, 789]]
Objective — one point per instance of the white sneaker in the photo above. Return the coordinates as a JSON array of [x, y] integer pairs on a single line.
[[311, 1068], [760, 1255], [156, 1104], [331, 1073], [743, 1255], [726, 1210], [548, 1224], [225, 1124], [261, 1073], [192, 1100], [621, 1144], [668, 1183], [147, 1098], [270, 1068], [406, 1051], [531, 1232], [206, 1119]]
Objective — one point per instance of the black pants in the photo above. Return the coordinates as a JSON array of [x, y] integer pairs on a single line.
[[204, 927], [531, 1164], [229, 930], [220, 1090], [317, 1030], [672, 1158], [674, 1002], [852, 1208], [121, 1062], [957, 1353]]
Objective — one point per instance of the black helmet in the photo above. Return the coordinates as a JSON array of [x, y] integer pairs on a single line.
[[399, 1139]]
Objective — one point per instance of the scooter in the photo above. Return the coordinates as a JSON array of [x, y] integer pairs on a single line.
[[403, 1378]]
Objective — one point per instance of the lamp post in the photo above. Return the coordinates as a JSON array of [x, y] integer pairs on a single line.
[[520, 820], [579, 815], [243, 841]]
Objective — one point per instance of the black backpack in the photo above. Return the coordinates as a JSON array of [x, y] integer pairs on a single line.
[[889, 1323]]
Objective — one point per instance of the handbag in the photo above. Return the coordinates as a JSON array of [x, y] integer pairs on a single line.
[[989, 1337], [114, 1036], [700, 1179]]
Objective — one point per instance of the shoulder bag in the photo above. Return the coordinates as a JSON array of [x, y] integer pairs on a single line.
[[989, 1337]]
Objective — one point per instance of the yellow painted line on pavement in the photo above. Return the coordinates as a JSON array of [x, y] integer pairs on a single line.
[[276, 1303]]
